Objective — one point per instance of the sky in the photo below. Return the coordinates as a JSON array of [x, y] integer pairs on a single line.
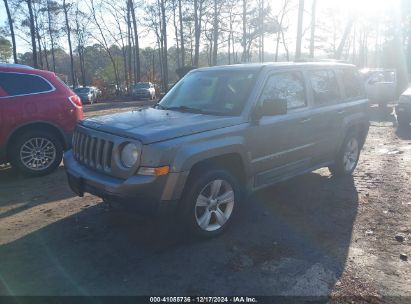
[[366, 8]]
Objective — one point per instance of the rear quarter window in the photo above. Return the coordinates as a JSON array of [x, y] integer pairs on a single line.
[[16, 84]]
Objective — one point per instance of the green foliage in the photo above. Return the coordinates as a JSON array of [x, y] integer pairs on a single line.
[[5, 49]]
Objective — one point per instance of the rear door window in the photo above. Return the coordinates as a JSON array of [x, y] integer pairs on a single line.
[[17, 84], [288, 86], [325, 87], [352, 84]]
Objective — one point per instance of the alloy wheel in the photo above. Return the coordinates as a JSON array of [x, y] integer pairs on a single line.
[[38, 153], [214, 205]]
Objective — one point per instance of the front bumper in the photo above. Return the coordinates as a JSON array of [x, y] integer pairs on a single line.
[[145, 94], [150, 192], [84, 98]]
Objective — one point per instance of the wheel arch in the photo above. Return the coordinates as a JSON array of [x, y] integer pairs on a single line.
[[35, 125]]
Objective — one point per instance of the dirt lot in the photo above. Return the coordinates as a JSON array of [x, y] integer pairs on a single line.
[[313, 235]]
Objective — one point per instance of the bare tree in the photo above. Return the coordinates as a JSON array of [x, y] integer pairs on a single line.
[[299, 29], [11, 27], [313, 19], [53, 56], [180, 16], [347, 31], [280, 34], [68, 30], [136, 42], [32, 33], [164, 37], [198, 17], [103, 41]]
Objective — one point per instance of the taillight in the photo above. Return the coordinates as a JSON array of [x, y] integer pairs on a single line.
[[76, 101]]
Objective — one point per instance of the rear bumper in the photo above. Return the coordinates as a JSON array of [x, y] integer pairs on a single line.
[[147, 192]]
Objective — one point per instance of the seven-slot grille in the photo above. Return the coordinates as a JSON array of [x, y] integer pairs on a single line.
[[92, 151]]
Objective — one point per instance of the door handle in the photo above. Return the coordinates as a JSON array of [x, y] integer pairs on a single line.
[[305, 120]]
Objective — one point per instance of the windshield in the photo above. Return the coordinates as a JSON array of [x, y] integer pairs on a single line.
[[82, 90], [214, 92], [142, 85]]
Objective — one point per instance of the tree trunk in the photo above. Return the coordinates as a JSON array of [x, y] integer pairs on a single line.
[[69, 43], [262, 31], [32, 34], [40, 57], [299, 29], [82, 69], [287, 53], [53, 56], [244, 38], [344, 38], [180, 16], [13, 37], [176, 33], [313, 20], [165, 51], [137, 46], [215, 34], [197, 33]]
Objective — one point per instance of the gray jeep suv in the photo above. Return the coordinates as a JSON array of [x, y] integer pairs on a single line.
[[220, 133]]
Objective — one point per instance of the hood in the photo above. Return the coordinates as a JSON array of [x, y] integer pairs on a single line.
[[152, 125]]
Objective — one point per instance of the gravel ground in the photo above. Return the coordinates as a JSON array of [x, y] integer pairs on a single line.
[[312, 235]]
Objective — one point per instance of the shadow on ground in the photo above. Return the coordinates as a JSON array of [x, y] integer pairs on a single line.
[[404, 133], [383, 116], [289, 239], [15, 191]]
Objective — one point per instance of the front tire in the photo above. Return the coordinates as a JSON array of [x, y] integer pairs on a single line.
[[210, 202], [36, 153], [347, 159]]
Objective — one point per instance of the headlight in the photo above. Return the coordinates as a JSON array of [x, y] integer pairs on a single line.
[[129, 155]]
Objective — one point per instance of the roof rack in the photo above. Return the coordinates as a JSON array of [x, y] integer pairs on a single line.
[[15, 65]]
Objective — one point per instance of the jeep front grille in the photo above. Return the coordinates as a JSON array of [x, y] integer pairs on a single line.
[[92, 151]]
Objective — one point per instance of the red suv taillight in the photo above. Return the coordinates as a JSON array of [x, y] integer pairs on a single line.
[[76, 101]]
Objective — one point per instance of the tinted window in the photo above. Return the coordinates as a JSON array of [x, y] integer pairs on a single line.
[[20, 84], [142, 85], [288, 86], [352, 83], [325, 86], [82, 90]]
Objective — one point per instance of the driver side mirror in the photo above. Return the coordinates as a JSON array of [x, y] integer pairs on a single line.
[[271, 107]]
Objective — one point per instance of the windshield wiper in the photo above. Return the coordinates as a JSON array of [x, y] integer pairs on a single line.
[[159, 106], [188, 109], [185, 109]]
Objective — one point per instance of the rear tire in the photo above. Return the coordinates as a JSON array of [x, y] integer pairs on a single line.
[[347, 158], [36, 153], [210, 202]]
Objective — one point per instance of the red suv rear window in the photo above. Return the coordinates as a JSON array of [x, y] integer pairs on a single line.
[[15, 84]]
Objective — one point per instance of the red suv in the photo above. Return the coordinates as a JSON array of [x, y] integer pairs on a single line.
[[38, 113]]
